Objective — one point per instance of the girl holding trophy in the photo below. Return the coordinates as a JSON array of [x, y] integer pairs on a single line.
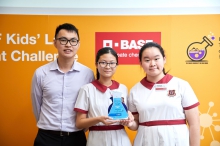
[[99, 105]]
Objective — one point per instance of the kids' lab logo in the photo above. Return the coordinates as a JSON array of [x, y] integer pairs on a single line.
[[197, 51], [126, 44]]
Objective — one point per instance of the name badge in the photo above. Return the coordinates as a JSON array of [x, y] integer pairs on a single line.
[[161, 87]]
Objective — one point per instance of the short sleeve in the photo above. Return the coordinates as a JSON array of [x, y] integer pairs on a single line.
[[189, 99], [131, 106], [82, 102]]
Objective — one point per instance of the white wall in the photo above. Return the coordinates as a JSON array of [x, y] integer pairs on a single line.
[[110, 7]]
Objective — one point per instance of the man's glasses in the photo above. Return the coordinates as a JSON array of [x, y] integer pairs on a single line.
[[64, 41], [111, 64]]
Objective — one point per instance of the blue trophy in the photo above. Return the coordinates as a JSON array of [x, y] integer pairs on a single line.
[[117, 110]]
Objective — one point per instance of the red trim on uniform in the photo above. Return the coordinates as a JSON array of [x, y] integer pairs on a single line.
[[135, 113], [103, 88], [150, 85], [163, 122], [106, 128], [80, 110], [192, 106], [146, 83], [160, 88]]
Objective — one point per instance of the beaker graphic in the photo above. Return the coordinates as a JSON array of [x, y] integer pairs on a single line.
[[197, 50]]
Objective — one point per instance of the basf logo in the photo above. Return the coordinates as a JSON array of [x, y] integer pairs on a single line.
[[126, 44]]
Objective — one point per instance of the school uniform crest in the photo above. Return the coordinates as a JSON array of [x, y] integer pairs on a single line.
[[171, 93]]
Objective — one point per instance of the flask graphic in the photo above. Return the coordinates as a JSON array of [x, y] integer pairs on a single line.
[[117, 110], [197, 51]]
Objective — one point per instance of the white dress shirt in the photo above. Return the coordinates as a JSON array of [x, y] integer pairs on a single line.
[[54, 95]]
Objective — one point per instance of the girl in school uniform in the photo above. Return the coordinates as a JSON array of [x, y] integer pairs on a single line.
[[94, 99], [162, 104]]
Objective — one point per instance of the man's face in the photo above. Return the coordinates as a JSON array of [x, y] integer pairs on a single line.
[[69, 49]]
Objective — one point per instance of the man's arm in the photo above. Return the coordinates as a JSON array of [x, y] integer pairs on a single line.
[[36, 95]]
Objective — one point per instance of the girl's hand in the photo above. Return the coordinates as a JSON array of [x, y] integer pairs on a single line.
[[107, 120], [128, 122]]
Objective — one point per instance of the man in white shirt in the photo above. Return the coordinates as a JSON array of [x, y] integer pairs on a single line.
[[54, 91]]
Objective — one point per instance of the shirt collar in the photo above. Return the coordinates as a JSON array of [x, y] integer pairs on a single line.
[[75, 66], [150, 85], [103, 88], [54, 65]]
